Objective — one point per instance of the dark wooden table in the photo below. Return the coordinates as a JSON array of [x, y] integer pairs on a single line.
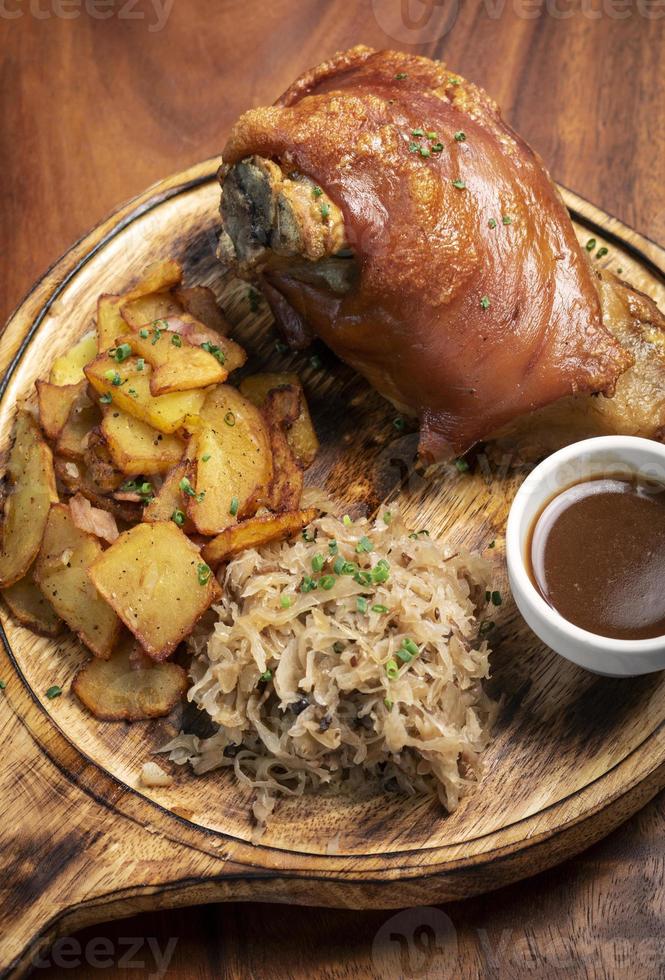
[[100, 98]]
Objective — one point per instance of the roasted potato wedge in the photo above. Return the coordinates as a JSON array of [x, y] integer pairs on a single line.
[[29, 605], [200, 302], [157, 277], [255, 532], [144, 311], [281, 409], [301, 435], [99, 463], [129, 686], [30, 482], [170, 498], [156, 581], [232, 461], [74, 477], [131, 393], [176, 364], [84, 416], [61, 571], [55, 403], [136, 448], [109, 323], [68, 368]]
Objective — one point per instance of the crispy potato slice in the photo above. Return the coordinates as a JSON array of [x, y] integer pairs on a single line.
[[169, 498], [176, 364], [281, 409], [155, 579], [132, 395], [30, 479], [301, 436], [255, 532], [129, 686], [145, 310], [99, 464], [136, 448], [29, 605], [232, 466], [61, 571], [84, 416], [157, 277], [200, 302], [109, 322], [68, 368], [74, 477], [55, 403]]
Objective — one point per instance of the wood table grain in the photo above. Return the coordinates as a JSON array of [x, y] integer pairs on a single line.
[[99, 98]]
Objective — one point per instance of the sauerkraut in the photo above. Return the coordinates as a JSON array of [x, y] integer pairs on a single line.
[[355, 654]]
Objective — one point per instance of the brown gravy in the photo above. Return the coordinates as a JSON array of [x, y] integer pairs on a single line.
[[597, 555]]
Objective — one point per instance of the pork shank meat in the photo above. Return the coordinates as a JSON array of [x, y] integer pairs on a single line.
[[383, 205]]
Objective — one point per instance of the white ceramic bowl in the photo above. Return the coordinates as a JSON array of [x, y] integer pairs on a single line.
[[582, 460]]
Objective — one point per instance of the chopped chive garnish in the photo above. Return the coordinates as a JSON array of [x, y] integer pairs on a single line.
[[392, 669], [122, 353], [178, 517], [364, 545], [492, 544], [205, 457], [381, 571], [432, 136], [462, 465], [590, 245], [133, 392], [338, 567], [417, 132], [424, 151], [363, 578], [318, 562], [306, 536], [140, 364], [325, 210], [459, 184], [266, 675], [230, 419], [53, 692], [176, 340], [203, 573], [400, 76], [399, 423], [496, 598], [157, 334], [404, 655], [454, 80], [106, 399], [460, 136], [332, 547], [349, 568], [214, 350], [387, 517], [413, 147], [338, 646], [308, 584], [388, 703], [144, 333], [602, 252], [437, 147], [316, 192], [411, 646], [186, 487], [346, 520], [485, 302], [491, 223], [506, 219], [315, 362], [285, 601], [378, 608], [327, 581], [3, 685], [233, 509]]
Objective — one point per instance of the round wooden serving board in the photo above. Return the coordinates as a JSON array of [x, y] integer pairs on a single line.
[[80, 841]]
